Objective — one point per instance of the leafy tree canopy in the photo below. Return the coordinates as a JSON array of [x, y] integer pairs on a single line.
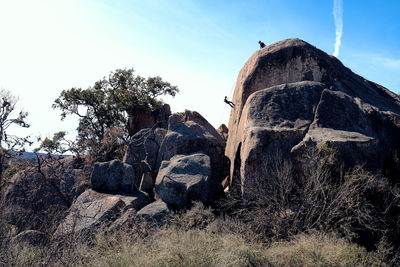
[[112, 100], [58, 144]]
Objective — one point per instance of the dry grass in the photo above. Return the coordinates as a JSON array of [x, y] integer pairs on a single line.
[[320, 250], [174, 247], [217, 244]]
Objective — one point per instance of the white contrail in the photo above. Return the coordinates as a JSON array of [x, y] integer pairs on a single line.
[[338, 16]]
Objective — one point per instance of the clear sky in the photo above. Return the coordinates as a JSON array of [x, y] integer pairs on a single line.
[[50, 45]]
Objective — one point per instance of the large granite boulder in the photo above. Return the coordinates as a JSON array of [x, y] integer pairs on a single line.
[[186, 134], [292, 97], [186, 178], [190, 134], [157, 211], [143, 149], [93, 210], [142, 153], [37, 199], [127, 221], [144, 118], [115, 176]]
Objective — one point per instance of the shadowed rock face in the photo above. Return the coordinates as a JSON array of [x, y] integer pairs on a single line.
[[114, 176], [156, 211], [34, 200], [146, 119], [193, 134], [223, 131], [291, 96], [93, 209], [186, 178]]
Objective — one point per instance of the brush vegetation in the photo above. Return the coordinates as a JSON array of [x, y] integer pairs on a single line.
[[324, 216], [219, 243]]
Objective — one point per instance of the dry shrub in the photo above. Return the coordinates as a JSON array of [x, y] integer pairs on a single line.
[[6, 177], [56, 252], [318, 249], [41, 193], [196, 217], [357, 205], [111, 146]]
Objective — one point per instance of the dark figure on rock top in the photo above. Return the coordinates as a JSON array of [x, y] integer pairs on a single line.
[[262, 45], [230, 103]]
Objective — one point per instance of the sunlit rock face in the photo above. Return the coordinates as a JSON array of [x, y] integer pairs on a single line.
[[291, 96]]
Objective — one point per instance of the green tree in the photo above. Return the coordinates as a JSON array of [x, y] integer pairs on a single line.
[[58, 144], [111, 101], [10, 144]]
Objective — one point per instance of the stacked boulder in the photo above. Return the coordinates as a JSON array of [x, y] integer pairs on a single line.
[[191, 158], [41, 195], [164, 169], [292, 97]]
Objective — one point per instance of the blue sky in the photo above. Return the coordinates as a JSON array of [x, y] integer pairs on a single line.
[[50, 45]]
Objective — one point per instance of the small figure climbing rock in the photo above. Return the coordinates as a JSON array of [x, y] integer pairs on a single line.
[[262, 45], [230, 103]]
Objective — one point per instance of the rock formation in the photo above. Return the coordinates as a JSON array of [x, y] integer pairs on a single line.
[[142, 151], [193, 134], [35, 198], [145, 119], [114, 176], [188, 160], [156, 211], [184, 179], [291, 96], [93, 209], [223, 131]]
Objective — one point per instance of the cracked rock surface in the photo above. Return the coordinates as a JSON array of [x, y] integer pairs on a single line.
[[291, 97], [186, 178]]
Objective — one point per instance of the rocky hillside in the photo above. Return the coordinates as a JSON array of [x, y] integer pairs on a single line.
[[290, 98]]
